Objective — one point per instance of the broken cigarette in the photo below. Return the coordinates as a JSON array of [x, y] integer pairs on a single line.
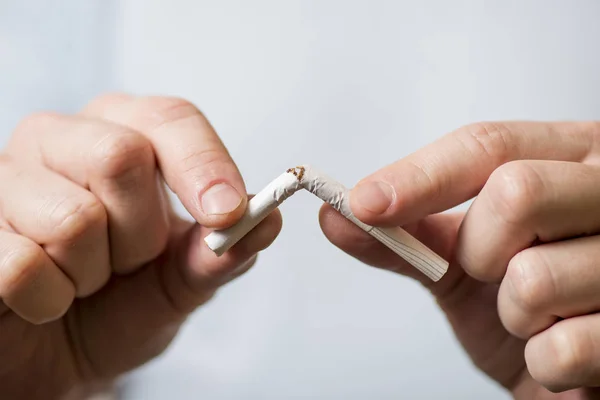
[[334, 193]]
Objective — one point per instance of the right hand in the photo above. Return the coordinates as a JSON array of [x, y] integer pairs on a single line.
[[523, 288], [97, 272]]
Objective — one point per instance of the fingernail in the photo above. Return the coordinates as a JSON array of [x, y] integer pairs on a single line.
[[376, 197], [219, 199]]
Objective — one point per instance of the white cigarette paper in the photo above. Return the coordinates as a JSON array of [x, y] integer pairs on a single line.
[[334, 193]]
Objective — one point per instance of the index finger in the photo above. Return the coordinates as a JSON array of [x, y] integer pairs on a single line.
[[192, 158], [454, 169]]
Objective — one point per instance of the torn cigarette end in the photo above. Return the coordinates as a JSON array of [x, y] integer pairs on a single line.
[[298, 172], [337, 195]]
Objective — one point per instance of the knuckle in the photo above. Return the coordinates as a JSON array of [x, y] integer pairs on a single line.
[[573, 352], [108, 99], [36, 121], [165, 110], [23, 270], [435, 184], [531, 280], [120, 153], [21, 267], [212, 161], [72, 217], [489, 138], [587, 131], [511, 190]]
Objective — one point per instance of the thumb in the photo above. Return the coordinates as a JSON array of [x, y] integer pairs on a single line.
[[194, 272], [438, 232]]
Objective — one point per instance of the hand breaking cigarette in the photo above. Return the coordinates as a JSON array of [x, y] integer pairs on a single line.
[[334, 193]]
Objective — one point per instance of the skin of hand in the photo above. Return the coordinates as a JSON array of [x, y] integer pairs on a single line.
[[523, 288], [97, 272]]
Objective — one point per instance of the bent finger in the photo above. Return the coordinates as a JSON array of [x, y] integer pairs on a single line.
[[550, 282], [31, 285], [65, 219], [527, 202], [117, 164], [191, 156], [566, 355]]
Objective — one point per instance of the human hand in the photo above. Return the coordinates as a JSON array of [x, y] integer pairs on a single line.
[[97, 272], [523, 288]]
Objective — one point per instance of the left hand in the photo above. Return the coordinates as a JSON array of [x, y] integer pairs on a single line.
[[97, 272], [523, 289]]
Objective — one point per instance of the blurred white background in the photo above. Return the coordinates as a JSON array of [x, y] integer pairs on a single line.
[[348, 85]]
